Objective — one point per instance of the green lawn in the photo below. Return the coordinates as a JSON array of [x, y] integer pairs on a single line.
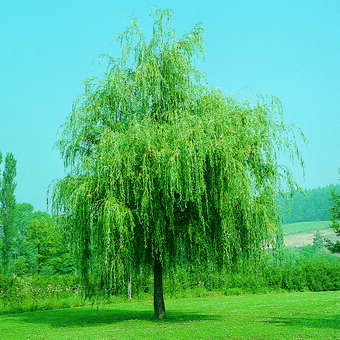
[[268, 316], [305, 227]]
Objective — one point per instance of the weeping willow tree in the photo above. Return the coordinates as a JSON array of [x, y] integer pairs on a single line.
[[163, 168]]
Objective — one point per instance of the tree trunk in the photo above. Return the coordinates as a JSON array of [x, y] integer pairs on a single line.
[[129, 287], [158, 300], [38, 259]]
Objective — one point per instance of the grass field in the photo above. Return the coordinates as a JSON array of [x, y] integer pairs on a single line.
[[305, 227], [268, 316]]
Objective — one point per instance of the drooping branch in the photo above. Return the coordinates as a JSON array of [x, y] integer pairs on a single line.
[[164, 168]]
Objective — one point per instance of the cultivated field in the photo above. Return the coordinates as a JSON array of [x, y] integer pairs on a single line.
[[270, 316], [301, 233]]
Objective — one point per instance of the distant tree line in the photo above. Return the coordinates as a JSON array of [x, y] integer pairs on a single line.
[[30, 241], [39, 245], [312, 205], [36, 244]]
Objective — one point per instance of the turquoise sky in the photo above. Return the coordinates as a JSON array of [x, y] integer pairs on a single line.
[[290, 49]]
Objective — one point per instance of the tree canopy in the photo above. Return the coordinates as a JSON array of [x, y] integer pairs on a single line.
[[162, 167], [7, 209], [335, 218]]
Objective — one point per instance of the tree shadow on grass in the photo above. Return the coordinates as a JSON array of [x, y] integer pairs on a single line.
[[80, 317], [332, 322]]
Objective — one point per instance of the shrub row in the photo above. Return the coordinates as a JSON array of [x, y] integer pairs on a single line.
[[293, 273], [30, 293]]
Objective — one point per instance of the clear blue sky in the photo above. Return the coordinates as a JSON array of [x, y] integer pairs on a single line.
[[290, 49]]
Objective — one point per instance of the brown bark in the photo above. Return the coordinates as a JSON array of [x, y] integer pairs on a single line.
[[158, 299]]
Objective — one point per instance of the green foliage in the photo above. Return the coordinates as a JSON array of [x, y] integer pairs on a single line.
[[309, 275], [45, 237], [312, 205], [7, 210], [20, 294], [335, 218], [318, 241], [38, 244], [23, 216], [299, 270], [25, 261], [163, 167]]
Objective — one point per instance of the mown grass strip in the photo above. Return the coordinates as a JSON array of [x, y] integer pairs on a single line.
[[305, 227]]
